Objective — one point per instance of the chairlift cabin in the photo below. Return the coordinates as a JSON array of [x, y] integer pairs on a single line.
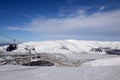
[[12, 46]]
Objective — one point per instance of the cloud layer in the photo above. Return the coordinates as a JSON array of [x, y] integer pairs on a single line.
[[101, 23]]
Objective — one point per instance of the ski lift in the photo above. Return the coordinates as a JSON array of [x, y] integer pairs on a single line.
[[12, 46]]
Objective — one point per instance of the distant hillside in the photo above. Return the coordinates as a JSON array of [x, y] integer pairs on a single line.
[[66, 46]]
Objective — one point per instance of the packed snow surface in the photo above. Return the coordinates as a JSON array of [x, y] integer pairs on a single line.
[[14, 72]]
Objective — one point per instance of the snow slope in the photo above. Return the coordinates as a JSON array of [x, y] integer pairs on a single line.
[[66, 52], [105, 62], [14, 72], [94, 70], [66, 46]]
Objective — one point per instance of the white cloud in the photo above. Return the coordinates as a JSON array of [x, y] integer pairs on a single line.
[[79, 37], [101, 8], [16, 28], [97, 23]]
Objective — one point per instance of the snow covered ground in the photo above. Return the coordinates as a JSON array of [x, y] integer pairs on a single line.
[[86, 65], [105, 62], [15, 72]]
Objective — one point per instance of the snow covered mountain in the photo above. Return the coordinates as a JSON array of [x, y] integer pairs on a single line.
[[67, 46]]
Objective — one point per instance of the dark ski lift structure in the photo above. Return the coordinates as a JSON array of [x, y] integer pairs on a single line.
[[12, 46], [26, 60]]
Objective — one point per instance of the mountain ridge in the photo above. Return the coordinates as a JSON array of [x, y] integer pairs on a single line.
[[67, 46]]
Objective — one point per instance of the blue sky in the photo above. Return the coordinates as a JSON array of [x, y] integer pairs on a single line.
[[36, 20]]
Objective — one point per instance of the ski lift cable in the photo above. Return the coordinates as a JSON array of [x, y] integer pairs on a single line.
[[8, 37], [12, 46], [5, 36], [3, 41]]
